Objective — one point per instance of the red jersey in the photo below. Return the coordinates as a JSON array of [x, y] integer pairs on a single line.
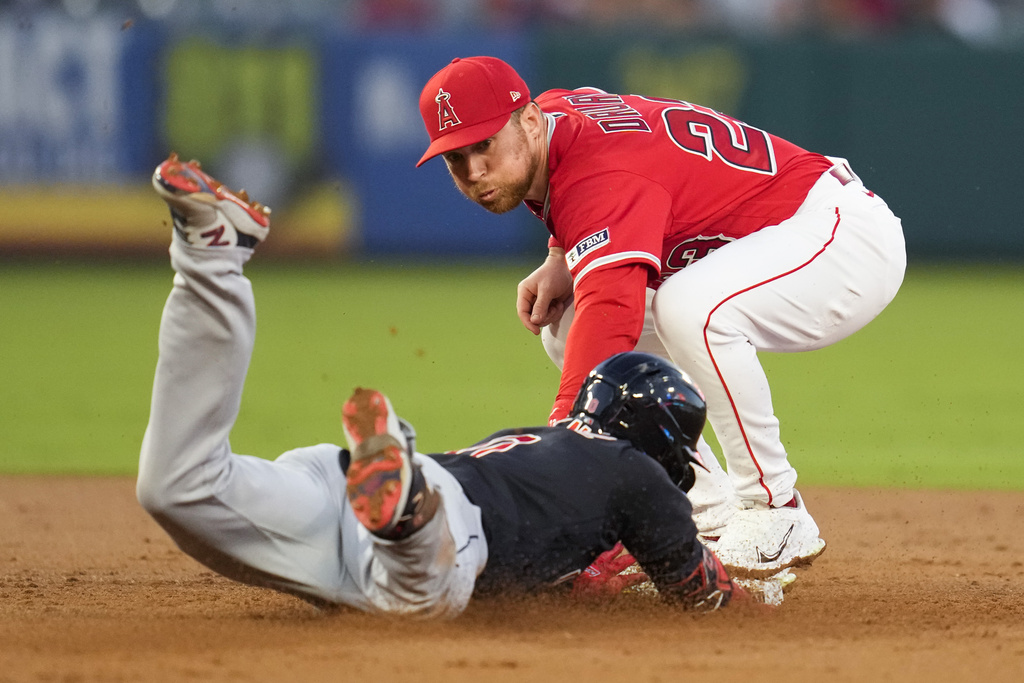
[[655, 185]]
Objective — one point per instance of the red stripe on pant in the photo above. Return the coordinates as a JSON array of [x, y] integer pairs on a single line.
[[718, 370]]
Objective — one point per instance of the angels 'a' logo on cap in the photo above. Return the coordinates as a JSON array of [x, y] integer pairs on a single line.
[[446, 116]]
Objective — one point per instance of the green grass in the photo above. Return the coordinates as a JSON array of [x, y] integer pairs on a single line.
[[928, 395], [79, 345]]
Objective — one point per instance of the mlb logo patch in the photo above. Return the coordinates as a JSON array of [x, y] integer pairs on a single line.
[[585, 246]]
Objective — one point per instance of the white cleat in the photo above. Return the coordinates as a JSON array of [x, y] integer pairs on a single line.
[[761, 541]]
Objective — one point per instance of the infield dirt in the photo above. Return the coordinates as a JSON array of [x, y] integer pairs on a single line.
[[914, 586]]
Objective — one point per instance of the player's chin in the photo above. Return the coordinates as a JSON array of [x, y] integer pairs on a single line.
[[498, 205]]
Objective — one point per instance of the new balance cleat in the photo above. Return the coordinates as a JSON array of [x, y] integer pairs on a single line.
[[206, 213], [386, 489], [761, 541], [409, 433]]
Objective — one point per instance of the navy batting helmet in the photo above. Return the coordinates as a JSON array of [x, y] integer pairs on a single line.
[[649, 402]]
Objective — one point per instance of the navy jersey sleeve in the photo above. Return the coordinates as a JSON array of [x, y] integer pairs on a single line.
[[552, 499]]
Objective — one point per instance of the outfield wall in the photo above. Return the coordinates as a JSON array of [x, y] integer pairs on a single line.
[[324, 126]]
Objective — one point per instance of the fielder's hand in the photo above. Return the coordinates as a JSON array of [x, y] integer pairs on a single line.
[[604, 578], [542, 296]]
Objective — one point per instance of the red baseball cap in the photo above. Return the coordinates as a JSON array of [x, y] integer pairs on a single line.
[[469, 100]]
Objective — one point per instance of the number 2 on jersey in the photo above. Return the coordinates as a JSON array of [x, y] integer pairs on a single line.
[[708, 133]]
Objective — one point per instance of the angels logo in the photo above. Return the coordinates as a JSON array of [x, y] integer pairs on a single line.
[[446, 115], [692, 250]]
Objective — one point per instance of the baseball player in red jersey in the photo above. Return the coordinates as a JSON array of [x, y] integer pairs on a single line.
[[679, 231]]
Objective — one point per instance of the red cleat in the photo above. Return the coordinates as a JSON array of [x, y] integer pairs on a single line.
[[204, 211]]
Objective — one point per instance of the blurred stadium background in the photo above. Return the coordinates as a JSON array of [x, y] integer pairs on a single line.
[[311, 105]]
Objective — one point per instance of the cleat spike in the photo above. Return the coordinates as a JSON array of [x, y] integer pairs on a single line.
[[386, 489], [205, 211]]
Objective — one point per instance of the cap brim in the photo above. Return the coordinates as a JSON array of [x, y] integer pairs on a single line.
[[464, 136]]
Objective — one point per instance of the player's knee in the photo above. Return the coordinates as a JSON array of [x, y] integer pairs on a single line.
[[156, 494], [680, 328], [150, 495]]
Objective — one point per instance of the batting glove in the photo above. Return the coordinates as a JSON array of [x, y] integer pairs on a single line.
[[604, 579]]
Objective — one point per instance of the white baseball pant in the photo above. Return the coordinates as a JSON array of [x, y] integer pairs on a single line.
[[804, 284]]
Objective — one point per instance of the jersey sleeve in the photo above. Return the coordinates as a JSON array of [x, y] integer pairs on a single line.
[[610, 306], [610, 218]]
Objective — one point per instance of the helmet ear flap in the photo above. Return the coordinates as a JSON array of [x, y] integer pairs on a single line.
[[687, 471], [654, 431], [673, 451]]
